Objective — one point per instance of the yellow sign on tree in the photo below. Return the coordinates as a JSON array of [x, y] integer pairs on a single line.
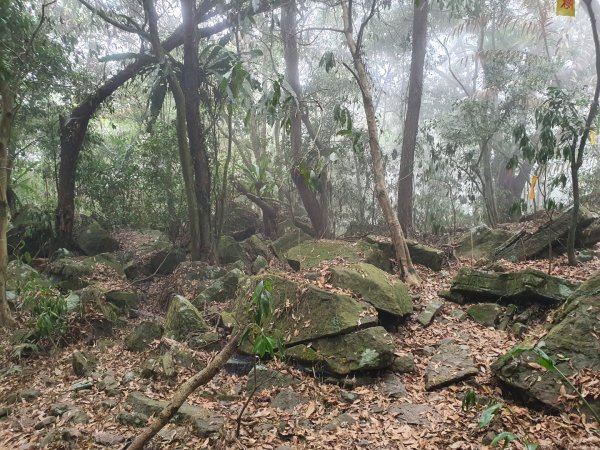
[[565, 8], [532, 187]]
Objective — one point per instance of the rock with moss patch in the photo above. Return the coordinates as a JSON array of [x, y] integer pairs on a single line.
[[475, 286], [222, 289], [148, 406], [422, 254], [480, 242], [162, 367], [92, 239], [155, 255], [262, 377], [305, 312], [133, 419], [450, 364], [288, 240], [255, 246], [259, 264], [182, 319], [142, 335], [388, 295], [368, 349], [31, 233], [83, 363], [74, 273], [486, 314], [124, 300], [19, 275], [572, 343], [310, 254], [229, 250]]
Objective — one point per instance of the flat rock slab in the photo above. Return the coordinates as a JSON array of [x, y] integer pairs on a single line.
[[287, 400], [451, 364], [430, 311], [414, 414], [527, 286], [392, 386]]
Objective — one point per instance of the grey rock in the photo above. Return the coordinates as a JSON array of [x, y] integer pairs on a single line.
[[207, 423], [142, 335], [133, 419], [287, 400], [451, 364], [403, 364], [265, 378], [392, 386], [341, 421], [486, 314], [431, 309], [108, 439], [83, 363], [27, 395], [414, 414]]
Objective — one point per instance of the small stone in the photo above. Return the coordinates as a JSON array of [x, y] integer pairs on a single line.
[[109, 403], [128, 377], [46, 421], [260, 263], [518, 329], [108, 439], [70, 434], [341, 421], [81, 386], [58, 409], [110, 385], [5, 411], [142, 335], [266, 378], [459, 314], [430, 311], [348, 397], [24, 394], [83, 363], [76, 416], [287, 400], [132, 419], [206, 424], [392, 386], [403, 364]]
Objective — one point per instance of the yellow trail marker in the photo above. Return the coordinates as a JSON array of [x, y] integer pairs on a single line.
[[565, 8], [532, 187], [592, 137]]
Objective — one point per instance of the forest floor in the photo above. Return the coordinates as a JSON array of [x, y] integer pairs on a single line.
[[417, 420]]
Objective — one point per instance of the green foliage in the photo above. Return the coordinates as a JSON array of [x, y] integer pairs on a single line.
[[489, 413], [47, 308], [263, 344]]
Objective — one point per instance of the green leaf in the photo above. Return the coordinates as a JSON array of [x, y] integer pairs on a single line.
[[488, 414], [505, 437], [469, 400]]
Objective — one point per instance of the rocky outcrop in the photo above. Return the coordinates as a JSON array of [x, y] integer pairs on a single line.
[[481, 242], [142, 335], [229, 250], [527, 286], [572, 343], [183, 319], [220, 289], [310, 254], [73, 273], [154, 255], [288, 240], [422, 254], [386, 293], [524, 245]]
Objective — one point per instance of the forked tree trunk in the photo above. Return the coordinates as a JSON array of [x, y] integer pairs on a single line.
[[404, 261], [411, 121], [6, 123], [290, 45]]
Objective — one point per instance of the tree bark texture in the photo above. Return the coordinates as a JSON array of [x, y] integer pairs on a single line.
[[411, 121], [6, 123], [362, 77], [309, 198]]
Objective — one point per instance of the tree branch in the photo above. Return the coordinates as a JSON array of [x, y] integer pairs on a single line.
[[121, 26]]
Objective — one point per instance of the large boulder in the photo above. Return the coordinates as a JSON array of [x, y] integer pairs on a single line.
[[387, 294], [19, 274], [241, 220], [310, 254], [524, 245], [92, 239], [229, 250], [572, 343], [422, 254], [74, 273], [527, 286], [142, 335], [221, 289], [183, 319], [255, 246], [154, 254], [31, 232], [480, 242], [305, 312], [288, 240], [367, 349]]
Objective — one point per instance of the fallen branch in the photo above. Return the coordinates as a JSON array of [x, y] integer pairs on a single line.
[[184, 391]]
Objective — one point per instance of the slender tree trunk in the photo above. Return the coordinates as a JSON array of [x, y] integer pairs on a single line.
[[411, 121], [403, 258], [578, 160], [6, 123], [489, 196], [195, 128], [182, 139], [184, 391], [290, 44]]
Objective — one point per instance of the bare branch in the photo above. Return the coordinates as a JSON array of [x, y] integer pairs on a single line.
[[121, 26]]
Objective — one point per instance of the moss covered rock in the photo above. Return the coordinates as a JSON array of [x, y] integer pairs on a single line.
[[480, 242], [72, 273], [154, 254], [229, 250], [386, 293], [142, 335], [124, 300], [367, 349], [310, 254], [486, 314], [305, 312], [421, 254], [92, 239], [572, 343], [474, 286], [19, 274], [288, 240], [222, 289], [182, 319]]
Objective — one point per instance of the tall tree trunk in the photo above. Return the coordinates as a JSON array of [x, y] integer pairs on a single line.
[[195, 128], [290, 45], [182, 139], [6, 123], [578, 160], [411, 121], [489, 196], [403, 258]]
